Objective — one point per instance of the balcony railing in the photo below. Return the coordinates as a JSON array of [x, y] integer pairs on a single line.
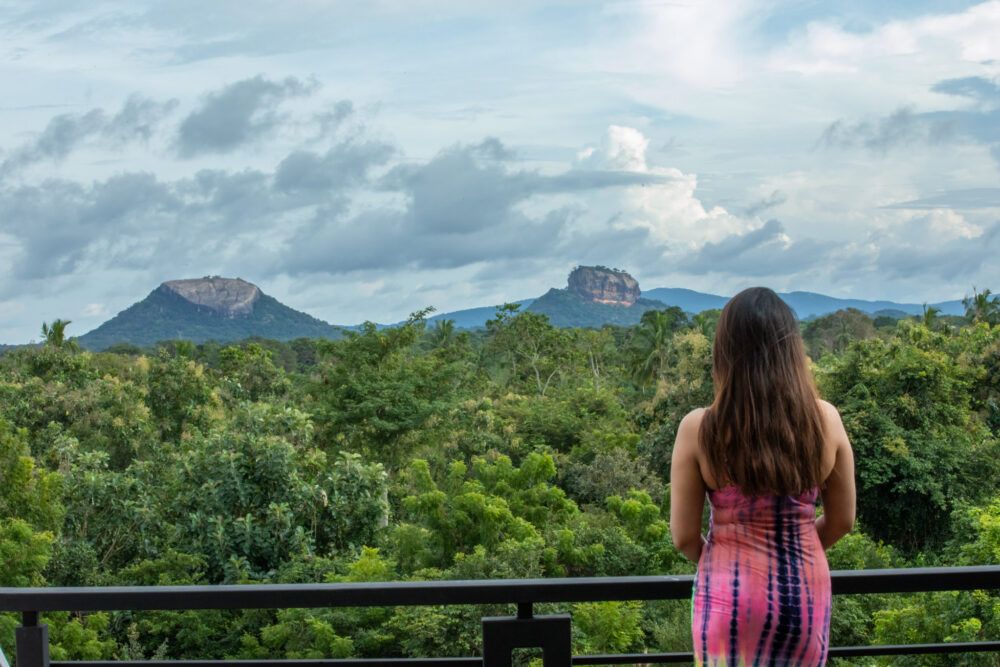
[[501, 635]]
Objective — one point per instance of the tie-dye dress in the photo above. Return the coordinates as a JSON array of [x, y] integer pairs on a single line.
[[762, 592]]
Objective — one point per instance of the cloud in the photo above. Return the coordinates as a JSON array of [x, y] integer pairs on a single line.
[[345, 165], [777, 198], [621, 148], [331, 118], [921, 249], [94, 310], [976, 88], [136, 121], [465, 189], [980, 125], [238, 114], [60, 226], [902, 127], [665, 204], [764, 251], [831, 46], [386, 240], [466, 206], [970, 198]]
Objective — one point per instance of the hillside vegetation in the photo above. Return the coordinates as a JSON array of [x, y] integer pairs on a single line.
[[423, 452], [164, 315]]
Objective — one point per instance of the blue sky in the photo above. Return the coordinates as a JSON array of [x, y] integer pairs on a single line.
[[362, 160]]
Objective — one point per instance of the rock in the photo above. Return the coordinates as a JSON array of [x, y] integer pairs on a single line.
[[599, 284], [227, 297]]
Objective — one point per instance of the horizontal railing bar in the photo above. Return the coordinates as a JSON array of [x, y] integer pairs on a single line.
[[838, 652], [350, 662], [916, 579], [368, 594], [486, 591], [914, 649], [608, 659]]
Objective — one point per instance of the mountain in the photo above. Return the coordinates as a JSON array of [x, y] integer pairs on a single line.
[[565, 308], [595, 296], [686, 299], [473, 318], [203, 309], [807, 305], [226, 309], [599, 284]]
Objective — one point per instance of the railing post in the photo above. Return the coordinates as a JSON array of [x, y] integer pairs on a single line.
[[32, 641], [502, 634]]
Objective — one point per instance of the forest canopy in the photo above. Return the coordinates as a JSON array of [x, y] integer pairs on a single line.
[[424, 452]]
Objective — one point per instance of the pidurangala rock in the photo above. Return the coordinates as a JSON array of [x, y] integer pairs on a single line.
[[227, 297], [599, 284]]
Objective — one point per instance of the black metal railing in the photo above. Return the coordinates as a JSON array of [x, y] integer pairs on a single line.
[[501, 635]]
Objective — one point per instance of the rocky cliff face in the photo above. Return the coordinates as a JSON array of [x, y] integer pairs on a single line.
[[226, 297], [598, 284]]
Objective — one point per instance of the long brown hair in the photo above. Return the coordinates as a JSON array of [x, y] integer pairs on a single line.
[[764, 431]]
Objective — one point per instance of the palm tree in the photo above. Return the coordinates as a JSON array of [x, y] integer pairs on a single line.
[[706, 321], [842, 339], [442, 333], [982, 306], [55, 335], [930, 316], [652, 343]]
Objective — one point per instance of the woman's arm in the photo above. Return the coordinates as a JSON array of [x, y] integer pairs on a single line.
[[838, 491], [687, 489]]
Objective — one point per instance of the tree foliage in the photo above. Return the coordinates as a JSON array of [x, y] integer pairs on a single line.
[[408, 452]]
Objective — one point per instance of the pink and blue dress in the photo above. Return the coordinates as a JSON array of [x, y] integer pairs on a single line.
[[762, 592]]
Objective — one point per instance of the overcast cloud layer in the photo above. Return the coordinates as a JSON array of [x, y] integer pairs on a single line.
[[362, 160]]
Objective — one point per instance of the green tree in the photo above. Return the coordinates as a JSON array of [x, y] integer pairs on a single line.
[[597, 349], [982, 307], [833, 333], [686, 383], [930, 316], [607, 627], [651, 345], [249, 374], [30, 511], [920, 449], [376, 392], [706, 321], [257, 494], [179, 394], [535, 349], [55, 335], [443, 333], [495, 506]]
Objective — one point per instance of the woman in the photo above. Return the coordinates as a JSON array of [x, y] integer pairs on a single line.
[[762, 452]]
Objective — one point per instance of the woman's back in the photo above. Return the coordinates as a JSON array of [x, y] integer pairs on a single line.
[[761, 452]]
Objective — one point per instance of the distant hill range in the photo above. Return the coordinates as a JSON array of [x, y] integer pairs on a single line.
[[807, 305], [223, 309], [597, 295], [227, 309]]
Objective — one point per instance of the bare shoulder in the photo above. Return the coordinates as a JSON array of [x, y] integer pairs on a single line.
[[687, 433], [832, 423], [828, 408], [686, 446], [835, 441], [692, 420]]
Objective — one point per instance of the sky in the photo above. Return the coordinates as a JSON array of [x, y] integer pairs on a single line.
[[361, 160]]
